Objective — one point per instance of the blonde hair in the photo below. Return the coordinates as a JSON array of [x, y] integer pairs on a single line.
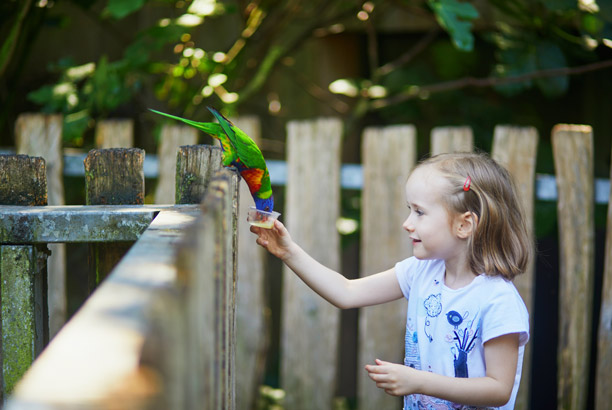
[[501, 243]]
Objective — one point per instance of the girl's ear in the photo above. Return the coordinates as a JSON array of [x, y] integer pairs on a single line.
[[466, 224]]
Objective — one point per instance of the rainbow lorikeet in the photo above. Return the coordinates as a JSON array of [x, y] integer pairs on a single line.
[[241, 152]]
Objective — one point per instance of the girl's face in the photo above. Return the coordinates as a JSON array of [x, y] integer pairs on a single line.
[[430, 225]]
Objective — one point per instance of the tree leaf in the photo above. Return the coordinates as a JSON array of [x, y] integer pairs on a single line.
[[549, 55], [120, 8], [516, 62], [559, 5], [456, 18]]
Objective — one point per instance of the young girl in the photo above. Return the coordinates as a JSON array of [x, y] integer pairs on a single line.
[[466, 325]]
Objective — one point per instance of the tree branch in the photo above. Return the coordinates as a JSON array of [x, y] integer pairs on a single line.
[[405, 58], [8, 47], [418, 91]]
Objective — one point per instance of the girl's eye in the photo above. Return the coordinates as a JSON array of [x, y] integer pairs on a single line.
[[415, 210]]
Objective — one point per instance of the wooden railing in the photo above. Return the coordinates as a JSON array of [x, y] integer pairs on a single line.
[[309, 327], [158, 332]]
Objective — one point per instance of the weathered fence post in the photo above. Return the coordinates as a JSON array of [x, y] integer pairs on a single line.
[[117, 133], [112, 177], [603, 376], [172, 137], [207, 275], [516, 148], [309, 365], [573, 155], [195, 166], [25, 324], [252, 314], [451, 139], [40, 135], [388, 156]]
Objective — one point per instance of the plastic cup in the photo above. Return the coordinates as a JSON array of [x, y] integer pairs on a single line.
[[262, 219]]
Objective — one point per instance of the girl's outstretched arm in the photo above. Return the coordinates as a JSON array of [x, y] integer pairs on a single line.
[[495, 389], [332, 286]]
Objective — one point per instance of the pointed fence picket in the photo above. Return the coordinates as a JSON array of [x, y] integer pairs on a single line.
[[573, 152], [516, 149], [310, 325], [252, 311], [389, 154]]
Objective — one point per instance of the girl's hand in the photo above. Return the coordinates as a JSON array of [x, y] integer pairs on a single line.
[[395, 379], [276, 239]]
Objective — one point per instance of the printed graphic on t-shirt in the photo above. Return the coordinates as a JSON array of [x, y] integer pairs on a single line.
[[421, 402], [433, 307], [412, 357], [462, 333], [464, 340]]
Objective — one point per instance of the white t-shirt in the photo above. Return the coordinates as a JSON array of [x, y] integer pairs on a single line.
[[446, 328]]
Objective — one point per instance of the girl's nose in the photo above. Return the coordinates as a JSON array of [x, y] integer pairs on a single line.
[[407, 225]]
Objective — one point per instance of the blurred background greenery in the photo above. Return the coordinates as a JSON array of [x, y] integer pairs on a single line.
[[425, 62]]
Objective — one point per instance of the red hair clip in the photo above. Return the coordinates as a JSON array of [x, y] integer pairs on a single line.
[[467, 183]]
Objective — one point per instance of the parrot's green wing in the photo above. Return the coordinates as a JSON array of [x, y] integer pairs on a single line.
[[247, 151], [213, 129]]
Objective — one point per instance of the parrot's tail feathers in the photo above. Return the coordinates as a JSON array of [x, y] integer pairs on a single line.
[[211, 128]]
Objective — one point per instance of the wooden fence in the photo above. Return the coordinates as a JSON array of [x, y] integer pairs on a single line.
[[158, 332], [309, 333]]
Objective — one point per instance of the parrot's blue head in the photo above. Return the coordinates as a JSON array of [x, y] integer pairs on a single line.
[[264, 204]]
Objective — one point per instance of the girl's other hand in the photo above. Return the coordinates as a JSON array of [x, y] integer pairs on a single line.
[[276, 239], [395, 379]]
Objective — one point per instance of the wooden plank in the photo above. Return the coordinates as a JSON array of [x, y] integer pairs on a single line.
[[252, 313], [195, 166], [24, 310], [308, 364], [516, 149], [573, 156], [171, 138], [112, 177], [22, 338], [603, 375], [74, 223], [451, 139], [109, 356], [115, 133], [207, 274], [388, 156], [40, 135], [22, 180]]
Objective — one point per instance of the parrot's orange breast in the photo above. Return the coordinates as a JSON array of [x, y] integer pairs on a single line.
[[253, 176]]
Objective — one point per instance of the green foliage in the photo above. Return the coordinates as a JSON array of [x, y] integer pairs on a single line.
[[210, 52], [548, 56], [456, 18], [517, 62], [119, 9], [85, 92], [91, 91]]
